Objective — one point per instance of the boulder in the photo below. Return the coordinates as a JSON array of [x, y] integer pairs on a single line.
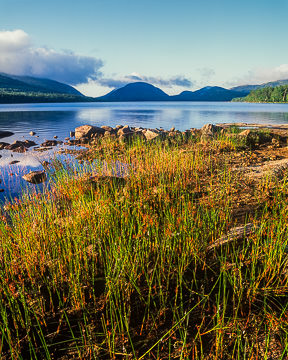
[[87, 131], [151, 134], [210, 130], [32, 133], [35, 177], [124, 130], [107, 128]]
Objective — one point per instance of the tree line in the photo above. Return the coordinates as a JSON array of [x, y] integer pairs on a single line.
[[278, 94]]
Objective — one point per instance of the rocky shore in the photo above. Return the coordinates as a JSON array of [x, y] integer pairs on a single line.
[[263, 140]]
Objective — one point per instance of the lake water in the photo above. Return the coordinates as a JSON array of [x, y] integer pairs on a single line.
[[48, 120]]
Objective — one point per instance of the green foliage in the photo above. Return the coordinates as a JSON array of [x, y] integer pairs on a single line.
[[276, 94]]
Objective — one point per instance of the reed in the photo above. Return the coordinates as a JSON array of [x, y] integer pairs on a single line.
[[120, 268]]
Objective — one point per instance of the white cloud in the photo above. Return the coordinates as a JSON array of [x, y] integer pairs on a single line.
[[115, 82], [262, 75], [18, 56]]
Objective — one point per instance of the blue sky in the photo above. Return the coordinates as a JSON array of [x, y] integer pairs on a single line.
[[176, 45]]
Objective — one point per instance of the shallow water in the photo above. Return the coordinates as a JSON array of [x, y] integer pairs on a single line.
[[48, 120]]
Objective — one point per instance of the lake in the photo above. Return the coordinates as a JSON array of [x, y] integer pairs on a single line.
[[48, 120]]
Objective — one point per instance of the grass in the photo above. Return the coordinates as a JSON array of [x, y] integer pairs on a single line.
[[105, 268]]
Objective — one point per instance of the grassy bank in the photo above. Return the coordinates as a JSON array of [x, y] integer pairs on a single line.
[[105, 267]]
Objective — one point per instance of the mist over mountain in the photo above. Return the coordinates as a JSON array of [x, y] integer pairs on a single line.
[[248, 88]]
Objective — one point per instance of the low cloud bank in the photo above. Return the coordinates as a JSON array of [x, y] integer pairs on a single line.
[[20, 57], [134, 77], [261, 76]]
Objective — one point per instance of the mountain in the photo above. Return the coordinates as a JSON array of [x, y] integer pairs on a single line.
[[16, 83], [248, 88], [208, 93], [141, 91], [138, 91]]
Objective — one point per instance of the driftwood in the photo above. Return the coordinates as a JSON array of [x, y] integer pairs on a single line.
[[260, 126], [235, 234]]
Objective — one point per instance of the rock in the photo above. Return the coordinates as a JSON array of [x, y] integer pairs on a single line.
[[48, 143], [117, 127], [32, 133], [4, 134], [20, 146], [87, 131], [55, 137], [72, 133], [124, 130], [67, 138], [14, 162], [172, 129], [107, 128], [210, 129], [245, 133], [41, 149], [151, 134], [35, 177], [29, 143], [3, 145]]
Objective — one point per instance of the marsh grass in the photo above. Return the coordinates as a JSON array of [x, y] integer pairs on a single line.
[[117, 269]]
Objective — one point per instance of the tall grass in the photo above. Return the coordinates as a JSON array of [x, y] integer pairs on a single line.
[[101, 267]]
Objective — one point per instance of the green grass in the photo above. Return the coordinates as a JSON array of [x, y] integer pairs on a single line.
[[110, 270]]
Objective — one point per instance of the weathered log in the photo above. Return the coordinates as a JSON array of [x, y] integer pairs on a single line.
[[235, 234]]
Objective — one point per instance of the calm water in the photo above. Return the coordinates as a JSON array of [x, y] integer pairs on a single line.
[[48, 120]]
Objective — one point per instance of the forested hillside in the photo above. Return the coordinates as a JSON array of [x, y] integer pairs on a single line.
[[278, 94]]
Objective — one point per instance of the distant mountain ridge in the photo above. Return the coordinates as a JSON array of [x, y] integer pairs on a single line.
[[138, 91], [141, 91], [22, 89]]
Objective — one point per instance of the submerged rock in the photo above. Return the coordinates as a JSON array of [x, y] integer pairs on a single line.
[[35, 177], [4, 134], [48, 143], [20, 146]]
